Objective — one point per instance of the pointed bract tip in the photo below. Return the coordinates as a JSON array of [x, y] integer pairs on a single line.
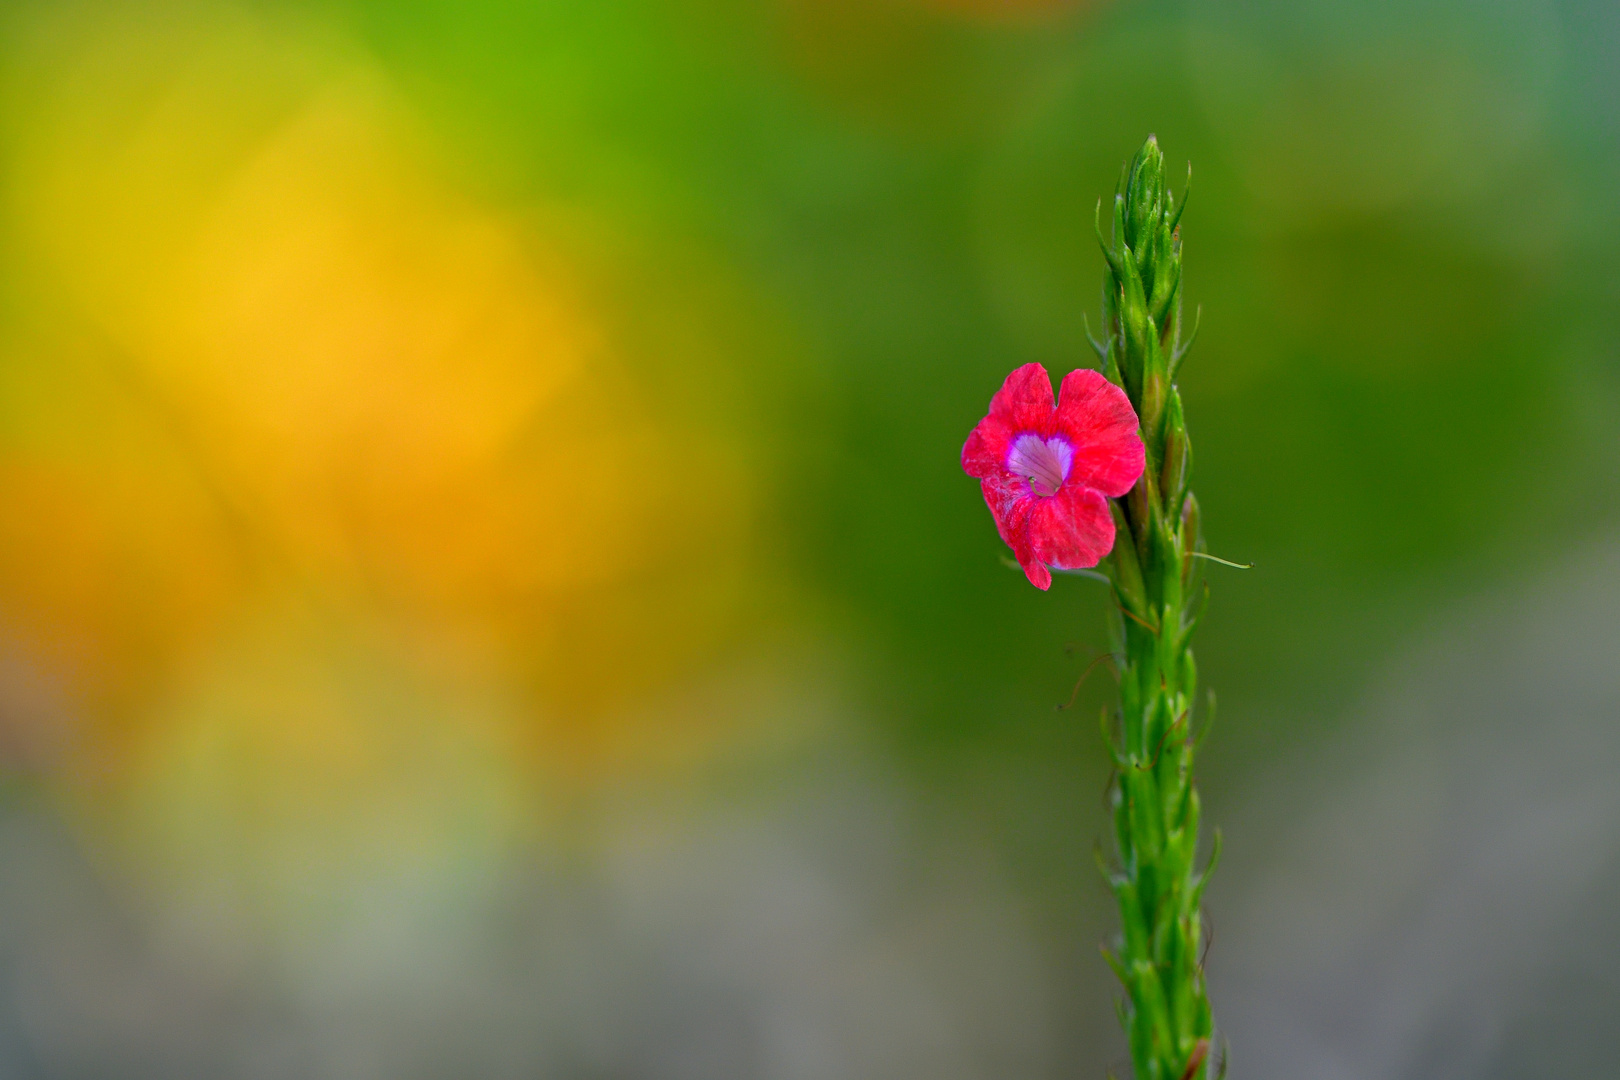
[[1144, 191]]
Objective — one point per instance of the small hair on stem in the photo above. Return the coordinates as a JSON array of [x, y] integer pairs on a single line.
[[1154, 764], [1081, 572], [1096, 346], [1099, 658], [1223, 562], [1012, 564], [1138, 620], [1209, 939], [1200, 1052]]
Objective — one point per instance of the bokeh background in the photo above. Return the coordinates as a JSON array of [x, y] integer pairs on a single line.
[[487, 588]]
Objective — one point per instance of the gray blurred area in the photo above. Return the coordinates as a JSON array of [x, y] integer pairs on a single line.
[[800, 941], [1431, 892], [1426, 893]]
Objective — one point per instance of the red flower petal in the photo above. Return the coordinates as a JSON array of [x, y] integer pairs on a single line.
[[1071, 530], [1025, 400], [1009, 502], [1039, 576], [1011, 505], [985, 451], [1024, 403], [1097, 419]]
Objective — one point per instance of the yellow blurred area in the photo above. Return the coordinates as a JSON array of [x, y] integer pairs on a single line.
[[284, 394]]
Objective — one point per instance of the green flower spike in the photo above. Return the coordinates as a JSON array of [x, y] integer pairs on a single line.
[[1156, 586]]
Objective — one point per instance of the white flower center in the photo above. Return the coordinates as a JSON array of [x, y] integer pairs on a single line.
[[1042, 462]]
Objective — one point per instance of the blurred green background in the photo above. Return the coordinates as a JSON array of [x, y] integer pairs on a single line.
[[486, 581]]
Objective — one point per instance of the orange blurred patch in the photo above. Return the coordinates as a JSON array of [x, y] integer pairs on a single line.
[[114, 559]]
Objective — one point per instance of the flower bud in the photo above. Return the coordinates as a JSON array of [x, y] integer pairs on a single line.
[[1189, 540], [1116, 268], [1133, 314], [1173, 474], [1127, 567], [1166, 283], [1137, 501], [1144, 195], [1155, 392], [1110, 368]]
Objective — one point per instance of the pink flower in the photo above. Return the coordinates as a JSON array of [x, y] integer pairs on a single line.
[[1048, 470]]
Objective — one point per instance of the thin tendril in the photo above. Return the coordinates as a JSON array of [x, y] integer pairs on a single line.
[[1223, 562]]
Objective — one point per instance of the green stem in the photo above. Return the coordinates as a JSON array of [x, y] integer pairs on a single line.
[[1158, 955]]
